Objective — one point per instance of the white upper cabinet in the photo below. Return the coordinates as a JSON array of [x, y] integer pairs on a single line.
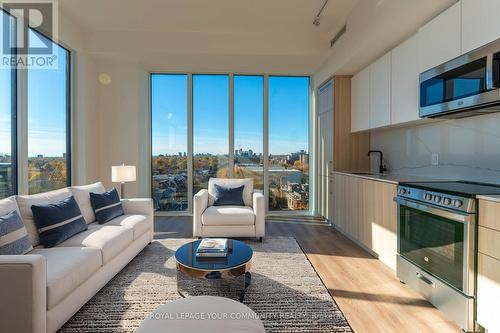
[[380, 92], [440, 39], [405, 82], [360, 101], [480, 23]]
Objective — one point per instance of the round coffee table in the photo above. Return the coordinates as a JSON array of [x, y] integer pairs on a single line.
[[229, 277]]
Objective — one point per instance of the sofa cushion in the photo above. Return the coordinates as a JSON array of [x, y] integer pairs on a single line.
[[106, 205], [58, 221], [14, 238], [111, 240], [139, 223], [229, 196], [228, 215], [82, 197], [226, 182], [67, 268], [26, 201]]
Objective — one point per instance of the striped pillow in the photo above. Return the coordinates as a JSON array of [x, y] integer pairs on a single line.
[[14, 238], [58, 221], [106, 205]]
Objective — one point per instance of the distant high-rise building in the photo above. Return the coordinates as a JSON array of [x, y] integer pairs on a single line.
[[64, 155], [184, 154], [250, 152], [236, 152], [39, 156], [180, 154]]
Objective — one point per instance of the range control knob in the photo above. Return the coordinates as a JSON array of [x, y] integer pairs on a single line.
[[458, 203], [437, 198], [428, 196], [402, 190], [447, 201]]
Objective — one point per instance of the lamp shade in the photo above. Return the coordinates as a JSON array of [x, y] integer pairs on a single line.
[[123, 173]]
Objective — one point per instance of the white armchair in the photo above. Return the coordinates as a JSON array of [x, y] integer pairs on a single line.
[[229, 221]]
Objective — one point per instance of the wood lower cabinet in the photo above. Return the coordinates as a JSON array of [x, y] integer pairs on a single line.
[[488, 266], [365, 211]]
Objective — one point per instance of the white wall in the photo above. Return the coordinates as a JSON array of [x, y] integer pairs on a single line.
[[122, 123], [468, 149]]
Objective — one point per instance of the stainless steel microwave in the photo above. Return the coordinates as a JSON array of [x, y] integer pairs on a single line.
[[465, 86]]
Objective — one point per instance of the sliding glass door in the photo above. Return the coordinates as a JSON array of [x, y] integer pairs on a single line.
[[249, 128], [207, 126], [210, 128], [169, 116], [288, 143]]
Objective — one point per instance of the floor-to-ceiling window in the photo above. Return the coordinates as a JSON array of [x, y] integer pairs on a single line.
[[249, 128], [48, 122], [288, 143], [193, 113], [210, 128], [169, 105], [7, 122]]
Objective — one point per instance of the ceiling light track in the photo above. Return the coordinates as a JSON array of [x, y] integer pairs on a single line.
[[316, 21]]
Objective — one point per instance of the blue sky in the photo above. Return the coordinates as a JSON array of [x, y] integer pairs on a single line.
[[46, 109], [288, 116]]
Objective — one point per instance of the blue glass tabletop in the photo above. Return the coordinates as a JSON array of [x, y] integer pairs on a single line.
[[238, 254]]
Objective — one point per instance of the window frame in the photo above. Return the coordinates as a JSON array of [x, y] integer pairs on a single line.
[[311, 141], [69, 110], [13, 115]]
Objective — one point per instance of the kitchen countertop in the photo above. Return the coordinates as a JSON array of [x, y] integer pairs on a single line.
[[391, 178], [495, 198]]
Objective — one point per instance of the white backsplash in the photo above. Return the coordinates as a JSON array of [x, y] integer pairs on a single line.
[[469, 149]]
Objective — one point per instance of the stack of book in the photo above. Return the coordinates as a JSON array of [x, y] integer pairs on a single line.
[[212, 248]]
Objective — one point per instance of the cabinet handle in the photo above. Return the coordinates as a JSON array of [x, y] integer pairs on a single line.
[[424, 279]]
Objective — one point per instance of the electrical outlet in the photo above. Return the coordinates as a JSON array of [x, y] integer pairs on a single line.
[[435, 159]]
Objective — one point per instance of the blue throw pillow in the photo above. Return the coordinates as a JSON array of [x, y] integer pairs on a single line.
[[227, 196], [14, 238], [106, 205], [56, 222]]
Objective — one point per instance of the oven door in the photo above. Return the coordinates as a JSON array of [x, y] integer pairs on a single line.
[[439, 241]]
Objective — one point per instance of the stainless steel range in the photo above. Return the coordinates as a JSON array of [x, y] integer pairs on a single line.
[[437, 242]]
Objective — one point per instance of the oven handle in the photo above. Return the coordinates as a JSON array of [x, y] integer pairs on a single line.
[[443, 212]]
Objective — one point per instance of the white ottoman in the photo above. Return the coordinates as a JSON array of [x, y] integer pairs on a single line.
[[207, 314]]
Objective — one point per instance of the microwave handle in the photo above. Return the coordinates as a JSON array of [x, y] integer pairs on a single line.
[[493, 68]]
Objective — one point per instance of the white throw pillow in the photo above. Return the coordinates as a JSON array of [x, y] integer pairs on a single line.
[[226, 182], [82, 197], [8, 205]]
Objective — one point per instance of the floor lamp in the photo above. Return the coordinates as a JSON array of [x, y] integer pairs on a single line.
[[123, 174]]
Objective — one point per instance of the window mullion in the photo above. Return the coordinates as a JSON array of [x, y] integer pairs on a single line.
[[190, 142], [265, 149], [231, 126]]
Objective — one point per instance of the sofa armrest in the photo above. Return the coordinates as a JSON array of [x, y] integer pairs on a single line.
[[200, 203], [259, 209], [138, 206], [23, 284]]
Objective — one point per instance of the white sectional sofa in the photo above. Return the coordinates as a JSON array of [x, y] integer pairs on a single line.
[[41, 290]]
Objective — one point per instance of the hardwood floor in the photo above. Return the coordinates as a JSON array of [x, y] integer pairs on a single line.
[[367, 291]]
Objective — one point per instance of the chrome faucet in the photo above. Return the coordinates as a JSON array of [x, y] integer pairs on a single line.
[[381, 167]]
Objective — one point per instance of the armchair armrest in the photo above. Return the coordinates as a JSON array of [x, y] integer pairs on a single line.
[[23, 283], [200, 203], [259, 209]]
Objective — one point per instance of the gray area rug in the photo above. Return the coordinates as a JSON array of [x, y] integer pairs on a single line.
[[285, 292]]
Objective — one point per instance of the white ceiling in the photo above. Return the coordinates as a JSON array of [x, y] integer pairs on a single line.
[[272, 35]]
